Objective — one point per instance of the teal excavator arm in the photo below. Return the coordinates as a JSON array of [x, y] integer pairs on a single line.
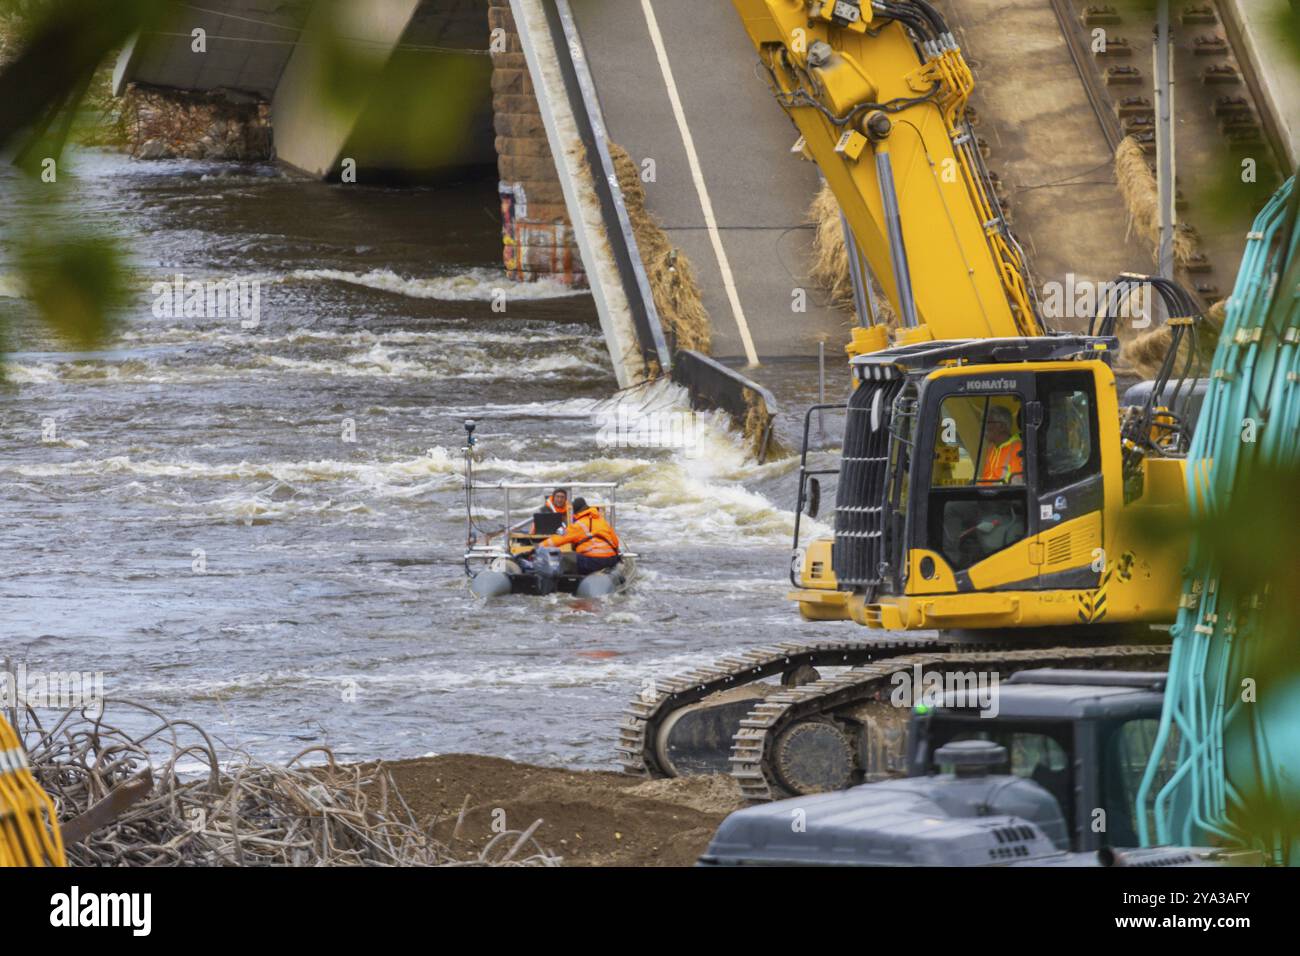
[[1232, 703]]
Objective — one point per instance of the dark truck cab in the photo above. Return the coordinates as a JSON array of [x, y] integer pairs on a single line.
[[1050, 780]]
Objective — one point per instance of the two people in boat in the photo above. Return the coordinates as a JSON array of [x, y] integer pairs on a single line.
[[593, 539]]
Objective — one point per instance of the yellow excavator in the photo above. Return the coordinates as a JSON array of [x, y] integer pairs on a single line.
[[994, 495], [930, 536]]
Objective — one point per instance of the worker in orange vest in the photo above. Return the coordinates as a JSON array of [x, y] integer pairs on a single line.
[[557, 503], [1004, 461], [593, 539]]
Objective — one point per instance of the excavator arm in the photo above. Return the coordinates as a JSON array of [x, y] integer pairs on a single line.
[[878, 92]]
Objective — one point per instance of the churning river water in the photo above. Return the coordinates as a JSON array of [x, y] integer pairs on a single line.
[[183, 512]]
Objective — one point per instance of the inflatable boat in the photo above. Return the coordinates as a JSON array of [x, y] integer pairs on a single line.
[[509, 558]]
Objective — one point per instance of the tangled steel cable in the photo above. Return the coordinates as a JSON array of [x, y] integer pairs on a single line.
[[120, 804]]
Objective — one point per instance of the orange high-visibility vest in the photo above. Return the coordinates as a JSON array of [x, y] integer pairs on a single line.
[[589, 533], [1003, 462]]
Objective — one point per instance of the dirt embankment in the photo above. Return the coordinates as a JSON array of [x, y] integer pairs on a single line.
[[589, 818]]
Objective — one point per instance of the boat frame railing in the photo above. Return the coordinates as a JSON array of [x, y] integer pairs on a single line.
[[488, 551]]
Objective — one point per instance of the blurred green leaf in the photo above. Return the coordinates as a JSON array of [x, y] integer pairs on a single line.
[[1239, 186], [413, 109], [344, 71], [1257, 565], [1253, 543], [421, 109], [1286, 26], [77, 282], [61, 44]]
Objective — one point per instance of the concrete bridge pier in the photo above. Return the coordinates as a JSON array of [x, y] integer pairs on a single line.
[[310, 133]]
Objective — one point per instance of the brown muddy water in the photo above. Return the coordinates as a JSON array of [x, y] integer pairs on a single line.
[[332, 608]]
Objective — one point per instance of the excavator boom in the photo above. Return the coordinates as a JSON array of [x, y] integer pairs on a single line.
[[878, 92]]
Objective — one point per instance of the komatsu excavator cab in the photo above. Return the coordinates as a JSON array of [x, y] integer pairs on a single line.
[[978, 489]]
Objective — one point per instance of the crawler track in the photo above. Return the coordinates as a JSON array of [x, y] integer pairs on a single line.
[[646, 713], [872, 664], [752, 753]]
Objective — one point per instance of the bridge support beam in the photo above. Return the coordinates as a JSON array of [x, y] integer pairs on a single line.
[[310, 134]]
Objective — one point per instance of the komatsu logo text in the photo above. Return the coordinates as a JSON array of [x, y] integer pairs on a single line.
[[989, 385]]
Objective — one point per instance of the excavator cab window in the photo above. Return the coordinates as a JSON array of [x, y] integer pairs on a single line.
[[1070, 452], [978, 502], [1126, 749], [1067, 445], [979, 442], [1069, 480]]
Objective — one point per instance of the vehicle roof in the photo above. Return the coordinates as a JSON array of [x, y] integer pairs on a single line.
[[1044, 695], [886, 363]]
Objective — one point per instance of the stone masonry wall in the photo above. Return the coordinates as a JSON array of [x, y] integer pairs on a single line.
[[535, 231]]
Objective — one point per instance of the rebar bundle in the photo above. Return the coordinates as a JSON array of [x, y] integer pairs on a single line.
[[165, 798]]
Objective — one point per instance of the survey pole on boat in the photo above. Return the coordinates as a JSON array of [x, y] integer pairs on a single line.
[[468, 452]]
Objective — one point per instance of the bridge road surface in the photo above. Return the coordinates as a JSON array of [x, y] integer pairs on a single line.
[[759, 190]]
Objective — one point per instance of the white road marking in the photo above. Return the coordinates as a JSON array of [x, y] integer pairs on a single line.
[[706, 206]]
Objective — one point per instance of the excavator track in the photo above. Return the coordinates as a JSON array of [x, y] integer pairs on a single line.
[[871, 664], [813, 705], [642, 719]]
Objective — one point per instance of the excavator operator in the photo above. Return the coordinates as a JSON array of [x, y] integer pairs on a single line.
[[1004, 457], [974, 529], [595, 545]]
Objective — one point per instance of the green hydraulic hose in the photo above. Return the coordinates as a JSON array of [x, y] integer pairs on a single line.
[[1255, 379]]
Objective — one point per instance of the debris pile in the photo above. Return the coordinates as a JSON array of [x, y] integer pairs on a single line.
[[1142, 197], [164, 798], [219, 125]]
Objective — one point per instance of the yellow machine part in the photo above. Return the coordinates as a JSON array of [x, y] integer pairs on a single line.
[[29, 828], [819, 598], [1138, 581], [966, 278], [1140, 573], [867, 339]]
